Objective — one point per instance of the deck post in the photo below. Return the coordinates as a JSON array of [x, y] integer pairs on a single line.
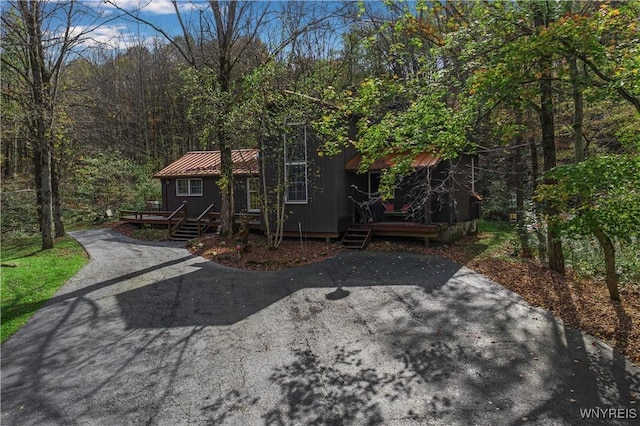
[[427, 243]]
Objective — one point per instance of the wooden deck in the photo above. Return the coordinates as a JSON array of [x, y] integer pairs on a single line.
[[151, 218], [161, 218], [432, 232], [408, 229]]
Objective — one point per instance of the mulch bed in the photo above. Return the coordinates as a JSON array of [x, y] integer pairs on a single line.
[[580, 303], [258, 256]]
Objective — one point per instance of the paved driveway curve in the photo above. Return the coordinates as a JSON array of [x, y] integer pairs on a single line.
[[149, 334]]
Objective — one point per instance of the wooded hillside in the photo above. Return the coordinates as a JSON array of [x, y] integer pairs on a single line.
[[547, 93]]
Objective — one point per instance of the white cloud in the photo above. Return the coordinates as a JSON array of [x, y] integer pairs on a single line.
[[116, 36], [155, 7]]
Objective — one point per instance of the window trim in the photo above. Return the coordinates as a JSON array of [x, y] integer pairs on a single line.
[[370, 175], [189, 193], [250, 208], [288, 164]]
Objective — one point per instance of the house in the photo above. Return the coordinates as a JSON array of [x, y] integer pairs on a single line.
[[193, 179], [324, 195]]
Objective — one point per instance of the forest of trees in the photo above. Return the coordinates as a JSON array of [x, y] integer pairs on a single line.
[[546, 92]]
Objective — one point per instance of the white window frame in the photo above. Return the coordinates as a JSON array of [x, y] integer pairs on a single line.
[[288, 163], [190, 192], [256, 192]]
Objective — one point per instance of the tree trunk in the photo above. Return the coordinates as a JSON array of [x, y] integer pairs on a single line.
[[37, 169], [224, 25], [265, 204], [519, 169], [578, 114], [41, 96], [226, 208], [610, 263], [46, 206], [57, 202], [9, 169], [535, 174], [554, 245]]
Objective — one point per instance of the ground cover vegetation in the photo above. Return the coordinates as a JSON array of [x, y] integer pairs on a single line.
[[546, 93], [30, 276]]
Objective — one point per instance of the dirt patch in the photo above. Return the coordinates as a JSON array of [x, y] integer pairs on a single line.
[[582, 304]]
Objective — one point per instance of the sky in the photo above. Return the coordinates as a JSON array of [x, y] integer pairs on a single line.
[[121, 31], [103, 24]]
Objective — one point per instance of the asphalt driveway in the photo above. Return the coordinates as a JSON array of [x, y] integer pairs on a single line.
[[149, 334]]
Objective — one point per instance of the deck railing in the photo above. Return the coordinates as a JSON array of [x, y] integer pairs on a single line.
[[182, 209], [140, 214], [202, 215]]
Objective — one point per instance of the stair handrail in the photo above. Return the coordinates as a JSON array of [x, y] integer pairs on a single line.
[[204, 213], [181, 221]]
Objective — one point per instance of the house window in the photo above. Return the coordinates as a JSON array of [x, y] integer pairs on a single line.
[[253, 194], [295, 160], [188, 187]]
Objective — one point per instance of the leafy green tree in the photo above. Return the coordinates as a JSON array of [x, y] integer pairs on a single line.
[[422, 123], [601, 197], [405, 105], [110, 180], [44, 35], [603, 36], [514, 59], [273, 100]]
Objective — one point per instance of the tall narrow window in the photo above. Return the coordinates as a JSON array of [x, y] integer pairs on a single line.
[[188, 187], [295, 160], [253, 194]]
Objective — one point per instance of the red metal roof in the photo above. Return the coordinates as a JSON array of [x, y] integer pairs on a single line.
[[420, 160], [207, 163]]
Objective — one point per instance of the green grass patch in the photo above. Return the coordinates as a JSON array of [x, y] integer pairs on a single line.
[[30, 276], [496, 238]]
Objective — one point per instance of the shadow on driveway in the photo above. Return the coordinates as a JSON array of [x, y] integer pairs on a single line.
[[147, 334], [215, 296]]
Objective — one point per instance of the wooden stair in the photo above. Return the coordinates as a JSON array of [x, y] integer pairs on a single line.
[[356, 238], [188, 231]]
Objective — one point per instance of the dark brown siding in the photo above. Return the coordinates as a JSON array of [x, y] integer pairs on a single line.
[[195, 204], [465, 204], [211, 194], [328, 210]]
